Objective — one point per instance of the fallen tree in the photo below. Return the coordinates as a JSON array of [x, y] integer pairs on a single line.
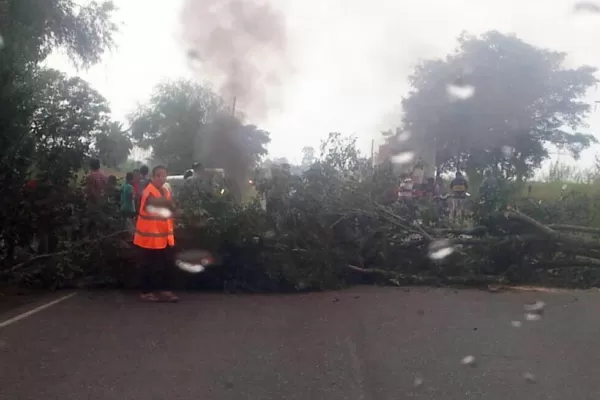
[[336, 226]]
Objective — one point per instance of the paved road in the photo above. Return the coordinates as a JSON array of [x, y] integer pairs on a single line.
[[364, 343]]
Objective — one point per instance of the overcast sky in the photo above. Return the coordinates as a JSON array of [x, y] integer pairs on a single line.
[[350, 57]]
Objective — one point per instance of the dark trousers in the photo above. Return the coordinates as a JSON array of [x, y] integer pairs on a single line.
[[156, 265]]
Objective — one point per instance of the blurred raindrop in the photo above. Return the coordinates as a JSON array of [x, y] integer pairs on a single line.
[[460, 92], [440, 249], [564, 187], [532, 317], [529, 377], [418, 381], [1, 42], [516, 324], [586, 7], [194, 260], [468, 360], [403, 158], [508, 151], [404, 136], [189, 267], [159, 211], [536, 307]]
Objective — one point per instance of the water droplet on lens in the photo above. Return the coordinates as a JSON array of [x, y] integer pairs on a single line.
[[1, 42], [564, 187], [529, 377], [516, 324], [533, 317], [507, 151], [468, 360], [404, 136], [194, 268], [440, 249], [418, 381], [403, 158], [159, 211], [538, 306], [194, 260], [460, 92], [586, 7]]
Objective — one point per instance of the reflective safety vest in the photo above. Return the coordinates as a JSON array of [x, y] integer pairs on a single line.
[[153, 231]]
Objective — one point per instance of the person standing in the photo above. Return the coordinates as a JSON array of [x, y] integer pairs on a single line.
[[155, 237], [95, 183], [127, 202], [95, 191], [458, 189], [144, 178], [112, 192], [405, 191]]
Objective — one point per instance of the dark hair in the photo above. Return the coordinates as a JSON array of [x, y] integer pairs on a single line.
[[95, 164], [197, 165], [158, 167], [144, 170], [129, 177], [112, 179]]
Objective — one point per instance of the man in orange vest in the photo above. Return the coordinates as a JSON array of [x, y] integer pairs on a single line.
[[154, 236]]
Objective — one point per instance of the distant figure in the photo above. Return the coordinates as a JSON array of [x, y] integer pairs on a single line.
[[137, 176], [429, 188], [95, 184], [439, 187], [458, 190], [405, 190], [137, 190], [128, 197], [128, 202], [198, 171], [144, 178], [112, 192]]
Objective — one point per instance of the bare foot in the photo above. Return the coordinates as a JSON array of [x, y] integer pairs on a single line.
[[150, 297], [168, 296]]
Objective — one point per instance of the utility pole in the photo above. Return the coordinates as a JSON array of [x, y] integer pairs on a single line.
[[372, 152]]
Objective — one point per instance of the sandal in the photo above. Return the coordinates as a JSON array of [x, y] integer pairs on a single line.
[[169, 297], [150, 297]]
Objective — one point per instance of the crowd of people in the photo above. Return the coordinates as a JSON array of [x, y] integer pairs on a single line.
[[127, 197], [153, 233], [146, 202], [434, 190]]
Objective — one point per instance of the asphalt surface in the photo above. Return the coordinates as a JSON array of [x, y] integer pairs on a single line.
[[363, 343]]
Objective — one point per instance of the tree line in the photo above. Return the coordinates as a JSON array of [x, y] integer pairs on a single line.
[[496, 103]]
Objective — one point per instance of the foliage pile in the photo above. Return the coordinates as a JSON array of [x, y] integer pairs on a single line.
[[335, 226]]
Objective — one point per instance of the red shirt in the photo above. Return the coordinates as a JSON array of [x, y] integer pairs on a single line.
[[95, 184], [136, 189]]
